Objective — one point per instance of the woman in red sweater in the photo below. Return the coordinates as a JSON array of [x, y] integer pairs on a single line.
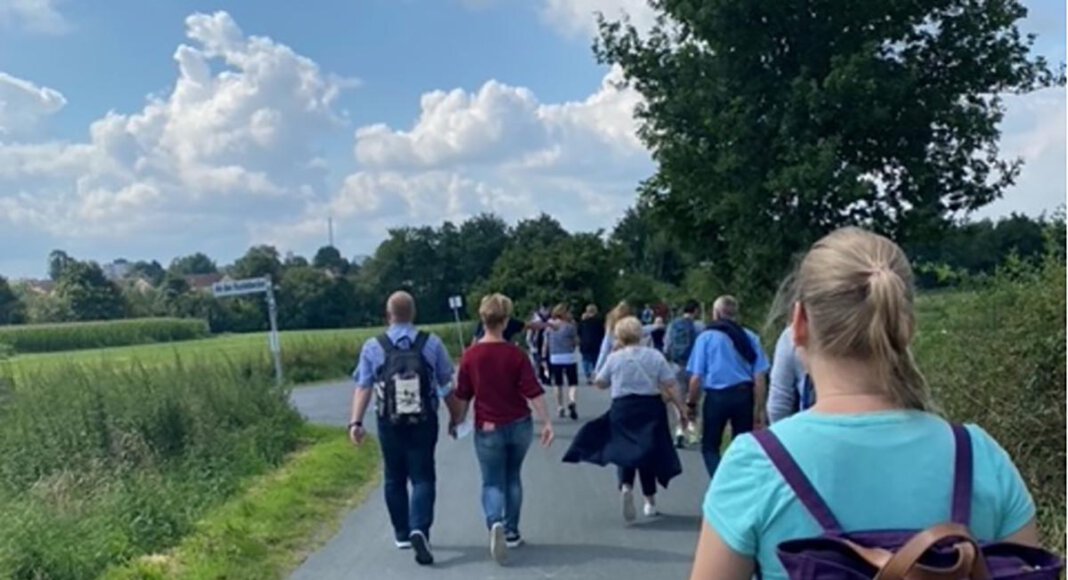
[[499, 377]]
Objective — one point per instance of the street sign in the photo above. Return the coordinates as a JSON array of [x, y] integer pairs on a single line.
[[253, 286], [239, 287], [456, 302]]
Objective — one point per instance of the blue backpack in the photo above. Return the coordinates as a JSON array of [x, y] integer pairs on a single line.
[[682, 333]]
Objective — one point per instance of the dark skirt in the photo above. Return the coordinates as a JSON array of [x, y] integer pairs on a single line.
[[633, 433]]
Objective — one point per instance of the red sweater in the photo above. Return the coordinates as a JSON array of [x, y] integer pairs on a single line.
[[500, 378]]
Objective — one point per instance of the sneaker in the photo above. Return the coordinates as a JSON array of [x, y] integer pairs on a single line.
[[650, 510], [629, 513], [423, 555], [514, 541], [573, 412], [563, 412], [402, 544], [680, 439], [498, 543]]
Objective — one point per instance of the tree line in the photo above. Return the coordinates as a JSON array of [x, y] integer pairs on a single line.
[[536, 260]]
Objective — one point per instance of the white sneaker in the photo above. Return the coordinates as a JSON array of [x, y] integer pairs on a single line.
[[402, 544], [629, 513], [650, 510], [498, 544]]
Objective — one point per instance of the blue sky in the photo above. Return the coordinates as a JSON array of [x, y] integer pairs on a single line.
[[153, 129]]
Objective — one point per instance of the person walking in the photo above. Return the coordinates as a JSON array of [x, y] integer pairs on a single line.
[[608, 343], [679, 340], [500, 379], [729, 366], [791, 388], [561, 340], [871, 452], [408, 372], [536, 328], [634, 433], [591, 334], [656, 333]]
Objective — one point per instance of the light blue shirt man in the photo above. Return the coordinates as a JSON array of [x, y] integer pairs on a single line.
[[372, 357], [720, 365]]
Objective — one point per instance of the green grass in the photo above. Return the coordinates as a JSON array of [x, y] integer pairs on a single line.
[[266, 530], [25, 338]]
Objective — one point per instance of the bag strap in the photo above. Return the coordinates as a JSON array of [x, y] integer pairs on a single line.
[[386, 344], [421, 339], [798, 481], [962, 476], [905, 563]]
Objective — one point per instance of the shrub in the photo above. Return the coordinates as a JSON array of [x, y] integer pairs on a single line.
[[99, 334], [996, 356]]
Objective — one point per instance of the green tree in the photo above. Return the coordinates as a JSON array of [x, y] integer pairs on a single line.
[[646, 248], [310, 298], [259, 261], [152, 272], [197, 263], [89, 294], [58, 261], [482, 239], [329, 258], [538, 232], [773, 123], [12, 310]]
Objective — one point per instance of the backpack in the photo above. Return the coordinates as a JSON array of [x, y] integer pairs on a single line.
[[683, 334], [403, 390], [944, 552]]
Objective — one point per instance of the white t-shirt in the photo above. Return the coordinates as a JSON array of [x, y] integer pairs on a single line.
[[635, 370]]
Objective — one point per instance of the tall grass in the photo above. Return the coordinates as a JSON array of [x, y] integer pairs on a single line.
[[996, 356], [82, 335], [100, 464]]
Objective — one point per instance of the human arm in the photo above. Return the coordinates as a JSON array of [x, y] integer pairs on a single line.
[[361, 395], [542, 414], [531, 388], [441, 364], [782, 396], [668, 382], [714, 559], [760, 382], [696, 367], [602, 355]]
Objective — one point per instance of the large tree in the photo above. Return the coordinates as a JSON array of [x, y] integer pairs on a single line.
[[12, 310], [329, 258], [58, 261], [197, 263], [88, 294], [259, 261], [773, 122]]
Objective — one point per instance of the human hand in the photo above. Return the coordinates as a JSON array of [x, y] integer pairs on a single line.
[[357, 434], [452, 429], [547, 435]]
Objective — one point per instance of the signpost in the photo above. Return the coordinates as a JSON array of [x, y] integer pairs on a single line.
[[456, 303], [255, 286]]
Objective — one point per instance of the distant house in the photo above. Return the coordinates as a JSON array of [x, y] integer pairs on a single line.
[[116, 270], [42, 287], [141, 285], [203, 282]]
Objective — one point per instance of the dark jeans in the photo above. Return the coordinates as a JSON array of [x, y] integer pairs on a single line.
[[647, 477], [500, 456], [733, 405], [408, 456]]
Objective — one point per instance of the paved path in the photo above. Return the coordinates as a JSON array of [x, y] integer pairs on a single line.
[[571, 519]]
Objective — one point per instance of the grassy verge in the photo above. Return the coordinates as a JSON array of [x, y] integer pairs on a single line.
[[268, 529]]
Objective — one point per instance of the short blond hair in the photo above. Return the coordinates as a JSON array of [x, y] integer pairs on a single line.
[[628, 331], [401, 307], [495, 309], [726, 307]]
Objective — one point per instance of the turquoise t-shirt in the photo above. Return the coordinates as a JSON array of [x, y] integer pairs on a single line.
[[876, 471]]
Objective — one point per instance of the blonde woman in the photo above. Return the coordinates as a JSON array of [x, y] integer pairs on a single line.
[[499, 377], [870, 446], [560, 349], [634, 435], [608, 344]]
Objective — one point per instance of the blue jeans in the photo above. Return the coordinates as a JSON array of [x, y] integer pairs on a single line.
[[408, 456], [732, 405], [589, 364], [500, 456]]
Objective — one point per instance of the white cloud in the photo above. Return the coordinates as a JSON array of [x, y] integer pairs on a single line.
[[578, 18], [236, 137], [35, 15], [23, 104]]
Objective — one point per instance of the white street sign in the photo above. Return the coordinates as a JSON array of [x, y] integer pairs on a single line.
[[238, 287], [456, 302]]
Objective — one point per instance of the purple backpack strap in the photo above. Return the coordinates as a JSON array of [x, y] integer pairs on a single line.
[[962, 476], [798, 481]]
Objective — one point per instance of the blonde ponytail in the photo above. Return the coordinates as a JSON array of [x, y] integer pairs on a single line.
[[856, 288]]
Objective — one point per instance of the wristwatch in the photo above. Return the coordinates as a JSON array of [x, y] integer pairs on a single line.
[[355, 424]]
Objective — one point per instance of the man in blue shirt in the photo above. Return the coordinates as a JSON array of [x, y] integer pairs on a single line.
[[729, 366], [407, 450]]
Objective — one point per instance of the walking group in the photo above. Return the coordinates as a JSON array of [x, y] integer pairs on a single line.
[[843, 445]]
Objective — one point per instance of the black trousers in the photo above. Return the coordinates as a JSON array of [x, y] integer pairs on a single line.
[[733, 405], [646, 476]]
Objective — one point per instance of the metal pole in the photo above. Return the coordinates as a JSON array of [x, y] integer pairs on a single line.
[[273, 341], [459, 332]]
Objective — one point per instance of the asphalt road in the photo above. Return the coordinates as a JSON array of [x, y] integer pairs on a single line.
[[572, 519]]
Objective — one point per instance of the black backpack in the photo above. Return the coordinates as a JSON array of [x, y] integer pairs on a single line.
[[403, 390]]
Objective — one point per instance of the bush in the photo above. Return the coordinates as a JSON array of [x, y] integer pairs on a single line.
[[83, 335], [996, 356], [101, 464]]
